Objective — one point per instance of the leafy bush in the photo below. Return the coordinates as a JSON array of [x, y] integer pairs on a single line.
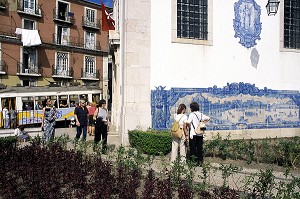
[[281, 151], [75, 173], [151, 142], [7, 141]]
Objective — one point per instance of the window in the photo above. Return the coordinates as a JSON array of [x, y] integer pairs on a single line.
[[63, 101], [89, 66], [292, 24], [28, 24], [192, 19], [29, 61], [62, 64], [73, 100], [29, 6], [90, 41], [63, 11], [30, 83], [39, 102], [62, 36], [90, 16]]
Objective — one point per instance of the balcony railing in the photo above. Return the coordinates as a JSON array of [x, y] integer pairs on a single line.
[[59, 72], [74, 42], [9, 31], [87, 23], [29, 70], [90, 76], [3, 4], [36, 11], [3, 67], [67, 17]]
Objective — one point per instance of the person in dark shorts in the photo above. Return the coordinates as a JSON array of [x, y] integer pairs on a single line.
[[91, 109]]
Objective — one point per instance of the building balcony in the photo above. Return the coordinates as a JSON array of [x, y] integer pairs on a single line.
[[64, 17], [74, 42], [59, 72], [88, 24], [3, 67], [33, 70], [114, 37], [3, 4], [29, 11], [90, 76]]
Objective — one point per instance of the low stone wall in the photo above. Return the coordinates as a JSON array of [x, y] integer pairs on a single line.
[[254, 133]]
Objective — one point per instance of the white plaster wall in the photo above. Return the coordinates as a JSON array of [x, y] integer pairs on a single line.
[[194, 66]]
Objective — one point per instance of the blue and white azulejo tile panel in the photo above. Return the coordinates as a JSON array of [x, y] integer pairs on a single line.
[[235, 106], [246, 22]]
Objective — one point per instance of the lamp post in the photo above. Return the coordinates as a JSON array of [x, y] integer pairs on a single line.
[[272, 7]]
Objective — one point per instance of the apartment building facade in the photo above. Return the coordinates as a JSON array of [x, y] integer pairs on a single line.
[[74, 49]]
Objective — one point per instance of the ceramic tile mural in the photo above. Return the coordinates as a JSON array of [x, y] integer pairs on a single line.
[[246, 22], [235, 106]]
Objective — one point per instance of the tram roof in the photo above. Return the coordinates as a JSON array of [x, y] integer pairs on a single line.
[[18, 89]]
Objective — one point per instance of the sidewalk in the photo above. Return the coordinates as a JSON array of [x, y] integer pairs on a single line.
[[112, 138]]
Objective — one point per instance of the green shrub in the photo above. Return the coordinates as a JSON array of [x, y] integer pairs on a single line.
[[7, 141], [151, 142], [283, 151]]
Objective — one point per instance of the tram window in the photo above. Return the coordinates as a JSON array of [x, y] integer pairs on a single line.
[[53, 99], [96, 98], [9, 103], [63, 101], [27, 103], [73, 100], [39, 102], [83, 97]]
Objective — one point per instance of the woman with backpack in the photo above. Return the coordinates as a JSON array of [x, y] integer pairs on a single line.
[[180, 117], [196, 139]]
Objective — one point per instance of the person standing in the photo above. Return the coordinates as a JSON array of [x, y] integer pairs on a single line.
[[48, 120], [81, 118], [181, 118], [5, 115], [13, 118], [101, 126], [196, 140], [91, 109]]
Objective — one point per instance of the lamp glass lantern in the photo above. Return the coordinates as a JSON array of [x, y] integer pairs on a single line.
[[272, 7]]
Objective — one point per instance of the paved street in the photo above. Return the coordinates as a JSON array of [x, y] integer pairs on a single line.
[[113, 137]]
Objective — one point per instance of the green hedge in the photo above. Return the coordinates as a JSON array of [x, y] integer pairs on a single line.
[[7, 141], [151, 142], [281, 151]]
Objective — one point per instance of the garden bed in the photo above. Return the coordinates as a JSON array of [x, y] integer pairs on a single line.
[[65, 170]]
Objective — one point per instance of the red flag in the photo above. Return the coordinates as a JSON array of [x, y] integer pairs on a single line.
[[107, 22]]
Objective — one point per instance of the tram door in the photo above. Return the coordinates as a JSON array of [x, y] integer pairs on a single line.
[[9, 103]]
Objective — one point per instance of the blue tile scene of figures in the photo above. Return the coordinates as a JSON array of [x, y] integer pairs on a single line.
[[235, 106]]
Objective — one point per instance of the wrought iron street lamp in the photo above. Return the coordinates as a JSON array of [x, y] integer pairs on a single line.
[[272, 7]]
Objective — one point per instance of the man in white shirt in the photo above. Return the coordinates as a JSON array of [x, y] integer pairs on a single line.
[[196, 140]]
